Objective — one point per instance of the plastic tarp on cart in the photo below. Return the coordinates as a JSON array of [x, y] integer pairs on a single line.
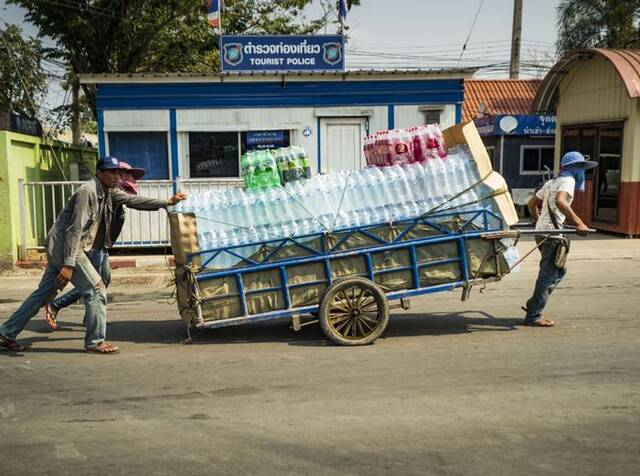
[[308, 281]]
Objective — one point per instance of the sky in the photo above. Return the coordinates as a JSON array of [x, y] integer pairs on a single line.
[[390, 34]]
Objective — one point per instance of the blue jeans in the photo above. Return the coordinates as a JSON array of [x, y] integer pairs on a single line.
[[86, 279], [100, 261], [548, 279]]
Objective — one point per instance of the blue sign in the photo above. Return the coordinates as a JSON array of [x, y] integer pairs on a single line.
[[266, 140], [518, 125], [282, 53]]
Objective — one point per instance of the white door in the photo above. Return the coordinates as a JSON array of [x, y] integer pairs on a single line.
[[341, 147]]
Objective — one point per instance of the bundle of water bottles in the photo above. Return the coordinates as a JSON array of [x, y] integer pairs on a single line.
[[336, 201], [263, 169], [404, 146]]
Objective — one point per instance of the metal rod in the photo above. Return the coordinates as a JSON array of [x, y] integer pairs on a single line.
[[564, 231], [44, 211], [23, 219]]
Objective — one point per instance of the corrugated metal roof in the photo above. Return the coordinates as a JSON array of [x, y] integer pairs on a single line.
[[219, 77], [500, 96], [625, 62]]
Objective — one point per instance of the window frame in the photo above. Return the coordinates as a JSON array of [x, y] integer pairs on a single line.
[[539, 148], [170, 171], [187, 149], [425, 110], [598, 126]]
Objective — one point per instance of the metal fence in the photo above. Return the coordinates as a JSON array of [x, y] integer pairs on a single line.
[[41, 202]]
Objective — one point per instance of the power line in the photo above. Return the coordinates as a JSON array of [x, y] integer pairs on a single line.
[[471, 30]]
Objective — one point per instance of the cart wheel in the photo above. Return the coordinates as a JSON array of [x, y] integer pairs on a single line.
[[354, 311]]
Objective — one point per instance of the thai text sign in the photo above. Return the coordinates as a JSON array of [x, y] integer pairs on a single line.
[[282, 53], [517, 125]]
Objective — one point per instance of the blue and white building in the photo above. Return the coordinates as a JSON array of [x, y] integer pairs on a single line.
[[194, 128]]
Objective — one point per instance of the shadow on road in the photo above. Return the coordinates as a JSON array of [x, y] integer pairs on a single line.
[[401, 325], [173, 331]]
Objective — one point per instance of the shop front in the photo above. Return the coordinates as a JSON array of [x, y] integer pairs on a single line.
[[595, 95]]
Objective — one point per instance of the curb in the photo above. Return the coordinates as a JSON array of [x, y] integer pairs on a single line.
[[116, 262]]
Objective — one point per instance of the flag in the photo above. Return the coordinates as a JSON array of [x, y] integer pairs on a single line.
[[213, 12], [342, 10]]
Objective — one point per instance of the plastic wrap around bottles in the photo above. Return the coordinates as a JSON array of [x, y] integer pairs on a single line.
[[404, 146], [336, 201], [263, 169]]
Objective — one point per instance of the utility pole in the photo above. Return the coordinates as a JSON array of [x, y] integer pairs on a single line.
[[75, 112], [516, 37]]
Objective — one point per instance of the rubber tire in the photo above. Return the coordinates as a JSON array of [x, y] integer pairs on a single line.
[[341, 284]]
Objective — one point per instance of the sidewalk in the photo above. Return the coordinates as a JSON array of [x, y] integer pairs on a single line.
[[133, 278], [117, 262]]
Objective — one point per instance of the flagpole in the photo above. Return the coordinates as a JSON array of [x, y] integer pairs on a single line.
[[220, 17]]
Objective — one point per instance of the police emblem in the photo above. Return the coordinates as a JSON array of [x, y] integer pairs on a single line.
[[233, 54], [332, 53]]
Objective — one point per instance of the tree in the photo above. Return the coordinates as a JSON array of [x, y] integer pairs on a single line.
[[133, 36], [598, 24], [22, 78]]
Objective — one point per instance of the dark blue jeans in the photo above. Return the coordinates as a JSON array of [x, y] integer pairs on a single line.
[[100, 261], [549, 277]]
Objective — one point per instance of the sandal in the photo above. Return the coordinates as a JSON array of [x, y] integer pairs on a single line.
[[542, 322], [102, 348], [51, 316], [10, 344]]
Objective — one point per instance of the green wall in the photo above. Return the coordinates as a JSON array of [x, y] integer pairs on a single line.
[[32, 159]]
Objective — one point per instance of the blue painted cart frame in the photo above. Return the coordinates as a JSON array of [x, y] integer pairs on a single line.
[[469, 225]]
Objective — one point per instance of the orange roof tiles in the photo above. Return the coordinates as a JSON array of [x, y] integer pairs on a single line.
[[500, 96]]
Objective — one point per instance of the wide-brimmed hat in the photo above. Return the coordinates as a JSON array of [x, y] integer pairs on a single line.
[[137, 172], [575, 158]]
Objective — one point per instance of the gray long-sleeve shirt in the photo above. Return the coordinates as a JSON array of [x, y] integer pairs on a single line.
[[77, 225]]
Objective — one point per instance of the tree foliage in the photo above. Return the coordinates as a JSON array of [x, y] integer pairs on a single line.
[[22, 79], [134, 36], [598, 24]]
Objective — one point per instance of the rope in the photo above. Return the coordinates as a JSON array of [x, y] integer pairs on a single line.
[[459, 194], [303, 207], [344, 191]]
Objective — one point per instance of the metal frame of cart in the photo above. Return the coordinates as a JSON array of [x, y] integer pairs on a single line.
[[353, 299]]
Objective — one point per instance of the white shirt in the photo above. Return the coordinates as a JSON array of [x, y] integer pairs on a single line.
[[548, 194]]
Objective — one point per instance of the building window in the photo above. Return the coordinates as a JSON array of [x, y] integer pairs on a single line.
[[147, 150], [535, 159], [214, 154], [432, 116], [217, 154]]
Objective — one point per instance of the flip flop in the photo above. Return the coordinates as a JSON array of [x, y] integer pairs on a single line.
[[51, 316], [542, 322], [10, 344], [103, 348]]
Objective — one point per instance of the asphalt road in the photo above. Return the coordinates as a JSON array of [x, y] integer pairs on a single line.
[[453, 388]]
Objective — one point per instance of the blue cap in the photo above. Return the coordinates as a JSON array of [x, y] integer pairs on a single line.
[[108, 162], [574, 158]]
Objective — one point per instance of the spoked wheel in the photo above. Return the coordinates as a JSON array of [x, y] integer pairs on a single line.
[[354, 311]]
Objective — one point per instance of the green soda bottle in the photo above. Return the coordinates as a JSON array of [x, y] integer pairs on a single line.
[[281, 162], [272, 178], [303, 158], [259, 169], [248, 169], [294, 165]]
